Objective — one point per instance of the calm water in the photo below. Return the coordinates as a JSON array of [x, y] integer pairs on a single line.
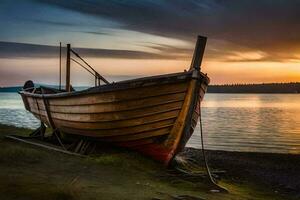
[[233, 122]]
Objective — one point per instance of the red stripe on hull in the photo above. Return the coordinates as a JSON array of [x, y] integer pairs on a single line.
[[154, 150]]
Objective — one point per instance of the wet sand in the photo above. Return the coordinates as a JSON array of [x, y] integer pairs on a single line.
[[280, 172]]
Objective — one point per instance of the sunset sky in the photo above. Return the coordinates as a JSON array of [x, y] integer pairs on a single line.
[[248, 41]]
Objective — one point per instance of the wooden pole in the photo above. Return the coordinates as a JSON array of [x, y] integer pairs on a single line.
[[198, 53], [60, 66], [68, 70]]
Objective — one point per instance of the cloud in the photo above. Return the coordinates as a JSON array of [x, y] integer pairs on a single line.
[[94, 32], [22, 50], [53, 23], [268, 26]]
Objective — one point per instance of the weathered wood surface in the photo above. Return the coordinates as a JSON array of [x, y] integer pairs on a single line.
[[157, 113], [154, 115]]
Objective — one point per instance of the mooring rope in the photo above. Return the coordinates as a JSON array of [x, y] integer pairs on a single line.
[[203, 149], [204, 156]]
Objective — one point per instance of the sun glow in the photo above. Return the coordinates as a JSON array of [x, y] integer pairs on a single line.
[[248, 56], [252, 72]]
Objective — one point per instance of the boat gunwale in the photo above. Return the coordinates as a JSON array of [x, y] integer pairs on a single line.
[[126, 84]]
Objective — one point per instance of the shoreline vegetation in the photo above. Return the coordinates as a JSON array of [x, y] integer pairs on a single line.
[[29, 172], [280, 88]]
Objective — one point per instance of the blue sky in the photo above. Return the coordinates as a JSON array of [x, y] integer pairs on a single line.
[[248, 41]]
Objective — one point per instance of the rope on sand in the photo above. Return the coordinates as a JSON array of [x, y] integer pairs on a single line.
[[191, 167]]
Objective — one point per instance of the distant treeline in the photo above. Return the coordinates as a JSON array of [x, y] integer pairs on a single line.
[[230, 88], [256, 88]]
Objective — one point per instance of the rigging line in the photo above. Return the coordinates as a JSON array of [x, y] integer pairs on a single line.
[[83, 66], [101, 77]]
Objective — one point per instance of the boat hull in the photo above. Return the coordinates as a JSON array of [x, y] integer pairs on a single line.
[[154, 115]]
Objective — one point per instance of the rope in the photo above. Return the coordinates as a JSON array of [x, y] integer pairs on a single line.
[[204, 156], [203, 149], [83, 67], [97, 74]]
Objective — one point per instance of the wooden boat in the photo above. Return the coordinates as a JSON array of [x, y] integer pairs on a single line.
[[153, 115]]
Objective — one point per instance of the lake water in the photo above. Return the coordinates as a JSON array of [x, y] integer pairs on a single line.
[[231, 122]]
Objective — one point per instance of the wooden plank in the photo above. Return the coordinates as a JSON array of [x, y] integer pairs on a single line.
[[114, 116], [123, 85], [111, 107], [118, 124], [43, 146], [43, 119], [119, 131], [175, 136], [124, 95], [142, 135], [120, 106], [136, 143], [198, 53]]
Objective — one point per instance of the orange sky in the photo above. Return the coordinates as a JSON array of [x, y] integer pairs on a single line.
[[248, 41], [219, 72]]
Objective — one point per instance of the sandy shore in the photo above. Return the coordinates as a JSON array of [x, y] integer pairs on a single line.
[[29, 172], [281, 172]]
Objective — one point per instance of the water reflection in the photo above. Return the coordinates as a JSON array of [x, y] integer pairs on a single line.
[[12, 112], [233, 122], [251, 122]]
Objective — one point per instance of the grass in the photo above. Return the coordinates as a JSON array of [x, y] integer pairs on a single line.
[[28, 172]]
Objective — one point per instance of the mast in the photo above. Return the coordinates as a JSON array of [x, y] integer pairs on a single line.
[[198, 53], [60, 66], [68, 70]]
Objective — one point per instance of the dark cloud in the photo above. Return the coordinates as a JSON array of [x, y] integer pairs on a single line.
[[168, 48], [270, 26], [21, 50], [54, 23], [94, 32]]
